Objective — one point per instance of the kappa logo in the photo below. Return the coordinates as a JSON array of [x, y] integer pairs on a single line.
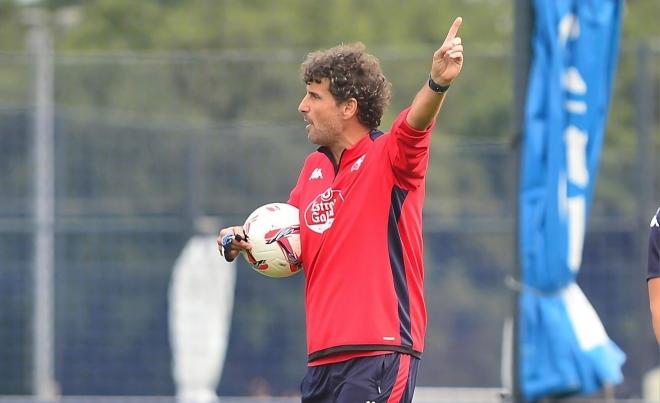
[[358, 163], [317, 173], [321, 212], [654, 221]]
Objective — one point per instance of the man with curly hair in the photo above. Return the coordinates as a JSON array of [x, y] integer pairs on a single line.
[[360, 197]]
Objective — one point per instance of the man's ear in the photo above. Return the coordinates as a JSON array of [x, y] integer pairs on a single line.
[[349, 108]]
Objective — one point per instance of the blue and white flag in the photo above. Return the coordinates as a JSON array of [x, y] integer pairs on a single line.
[[564, 348]]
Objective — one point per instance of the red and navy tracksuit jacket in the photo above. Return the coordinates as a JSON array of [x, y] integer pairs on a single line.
[[362, 248]]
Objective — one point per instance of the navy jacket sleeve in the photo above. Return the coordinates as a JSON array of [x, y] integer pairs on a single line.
[[654, 247]]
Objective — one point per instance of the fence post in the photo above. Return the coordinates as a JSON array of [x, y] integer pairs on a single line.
[[644, 107], [522, 53], [41, 53]]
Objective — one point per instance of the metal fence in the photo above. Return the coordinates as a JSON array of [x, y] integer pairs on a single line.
[[144, 145]]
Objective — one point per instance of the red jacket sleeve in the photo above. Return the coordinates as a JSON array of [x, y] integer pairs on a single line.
[[408, 149]]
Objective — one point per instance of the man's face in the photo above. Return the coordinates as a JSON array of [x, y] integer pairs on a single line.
[[321, 113]]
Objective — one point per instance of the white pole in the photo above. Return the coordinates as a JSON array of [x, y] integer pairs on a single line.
[[41, 51]]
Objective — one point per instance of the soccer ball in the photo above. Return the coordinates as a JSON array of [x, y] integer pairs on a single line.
[[274, 231]]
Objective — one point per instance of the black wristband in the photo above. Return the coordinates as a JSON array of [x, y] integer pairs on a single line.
[[435, 87]]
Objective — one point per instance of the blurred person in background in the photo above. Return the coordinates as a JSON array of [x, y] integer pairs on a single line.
[[360, 199], [653, 277]]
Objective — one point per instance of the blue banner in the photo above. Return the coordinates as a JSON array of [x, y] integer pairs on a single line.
[[564, 348]]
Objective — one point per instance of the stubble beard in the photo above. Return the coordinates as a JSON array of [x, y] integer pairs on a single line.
[[324, 135]]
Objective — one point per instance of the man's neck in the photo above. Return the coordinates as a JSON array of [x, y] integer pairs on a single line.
[[350, 137]]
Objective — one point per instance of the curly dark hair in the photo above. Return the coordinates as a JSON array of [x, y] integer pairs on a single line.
[[353, 73]]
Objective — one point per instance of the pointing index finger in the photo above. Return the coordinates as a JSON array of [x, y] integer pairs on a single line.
[[454, 29]]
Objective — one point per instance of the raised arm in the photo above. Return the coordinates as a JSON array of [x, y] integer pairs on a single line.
[[446, 66]]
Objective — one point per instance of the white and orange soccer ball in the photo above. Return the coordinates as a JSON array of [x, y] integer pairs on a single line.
[[274, 231]]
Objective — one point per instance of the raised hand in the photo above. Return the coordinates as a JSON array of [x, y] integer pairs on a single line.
[[448, 59]]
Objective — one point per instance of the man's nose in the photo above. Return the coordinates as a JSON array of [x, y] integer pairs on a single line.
[[302, 107]]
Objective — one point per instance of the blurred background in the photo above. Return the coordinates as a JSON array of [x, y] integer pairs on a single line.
[[166, 111]]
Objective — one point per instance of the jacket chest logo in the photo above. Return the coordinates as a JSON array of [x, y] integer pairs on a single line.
[[358, 163], [317, 173], [320, 213]]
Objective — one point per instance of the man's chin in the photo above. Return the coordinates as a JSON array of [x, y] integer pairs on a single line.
[[312, 139]]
